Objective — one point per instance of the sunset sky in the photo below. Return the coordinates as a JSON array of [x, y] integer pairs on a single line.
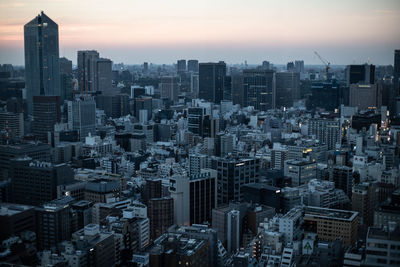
[[131, 31]]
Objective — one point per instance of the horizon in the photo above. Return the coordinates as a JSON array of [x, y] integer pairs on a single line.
[[343, 32]]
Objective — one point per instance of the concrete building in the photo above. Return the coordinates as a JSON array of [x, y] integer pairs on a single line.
[[383, 247], [300, 172], [291, 225], [15, 219], [169, 87], [326, 131], [161, 215], [365, 96], [12, 123], [212, 81], [87, 70], [330, 224], [82, 116], [287, 88], [364, 201], [342, 176], [259, 89], [233, 231]]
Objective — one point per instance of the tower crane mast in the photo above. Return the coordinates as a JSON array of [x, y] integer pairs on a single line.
[[326, 63]]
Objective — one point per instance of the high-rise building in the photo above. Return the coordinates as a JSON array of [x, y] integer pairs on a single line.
[[53, 223], [65, 79], [143, 103], [259, 89], [237, 88], [360, 74], [278, 157], [212, 81], [364, 201], [46, 113], [181, 65], [42, 68], [103, 76], [327, 94], [169, 87], [343, 178], [193, 65], [326, 131], [87, 70], [287, 88], [365, 96], [233, 173], [299, 66], [82, 116], [34, 182], [233, 230], [194, 197], [161, 215]]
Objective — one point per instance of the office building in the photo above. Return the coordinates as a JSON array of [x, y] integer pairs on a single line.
[[312, 152], [15, 219], [212, 81], [12, 123], [197, 162], [65, 79], [46, 113], [259, 89], [290, 198], [181, 66], [102, 191], [299, 66], [42, 67], [34, 183], [82, 116], [360, 74], [331, 224], [237, 88], [87, 71], [327, 95], [143, 103], [161, 215], [278, 157], [83, 210], [193, 65], [262, 194], [364, 201], [383, 247], [53, 223], [233, 232], [169, 87], [343, 178], [103, 76], [326, 131], [114, 106], [300, 172], [194, 197], [36, 151], [232, 175], [323, 194], [291, 225], [365, 96], [287, 88]]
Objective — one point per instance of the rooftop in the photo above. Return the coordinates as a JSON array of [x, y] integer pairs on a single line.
[[332, 214]]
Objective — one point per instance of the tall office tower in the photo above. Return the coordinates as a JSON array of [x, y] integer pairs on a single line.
[[364, 201], [114, 106], [145, 67], [82, 116], [299, 66], [181, 66], [34, 183], [212, 81], [169, 87], [103, 76], [326, 131], [193, 65], [300, 172], [42, 68], [160, 212], [46, 113], [259, 89], [53, 223], [65, 79], [194, 197], [233, 222], [12, 123], [365, 96], [195, 120], [364, 74], [87, 70], [143, 103], [232, 174], [290, 66], [266, 65], [237, 88], [328, 95], [343, 178], [287, 88], [36, 151], [194, 84]]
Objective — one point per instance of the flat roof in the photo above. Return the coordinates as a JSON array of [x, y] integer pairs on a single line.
[[332, 214]]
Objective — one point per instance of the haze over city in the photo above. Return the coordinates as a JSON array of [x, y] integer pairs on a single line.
[[344, 32]]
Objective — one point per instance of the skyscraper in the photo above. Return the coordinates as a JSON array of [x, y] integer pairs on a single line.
[[65, 79], [193, 65], [86, 70], [103, 76], [212, 81], [360, 74], [287, 88], [46, 113], [259, 89], [181, 65], [42, 69], [82, 116], [169, 87]]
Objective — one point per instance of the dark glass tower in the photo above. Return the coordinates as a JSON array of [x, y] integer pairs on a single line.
[[42, 69], [259, 89], [212, 81]]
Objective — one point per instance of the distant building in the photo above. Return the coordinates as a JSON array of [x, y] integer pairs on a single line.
[[326, 131], [365, 96], [212, 81], [360, 74], [181, 65], [287, 88], [46, 113], [65, 79], [42, 68], [259, 89], [13, 123], [82, 116], [169, 87], [193, 65], [87, 70]]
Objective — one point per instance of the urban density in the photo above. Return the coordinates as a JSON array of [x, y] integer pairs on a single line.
[[196, 163]]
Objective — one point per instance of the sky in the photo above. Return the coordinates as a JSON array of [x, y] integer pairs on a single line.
[[162, 31]]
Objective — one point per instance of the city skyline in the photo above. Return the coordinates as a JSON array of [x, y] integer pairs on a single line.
[[233, 31]]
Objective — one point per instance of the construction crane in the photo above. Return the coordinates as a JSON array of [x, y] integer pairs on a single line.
[[326, 63]]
